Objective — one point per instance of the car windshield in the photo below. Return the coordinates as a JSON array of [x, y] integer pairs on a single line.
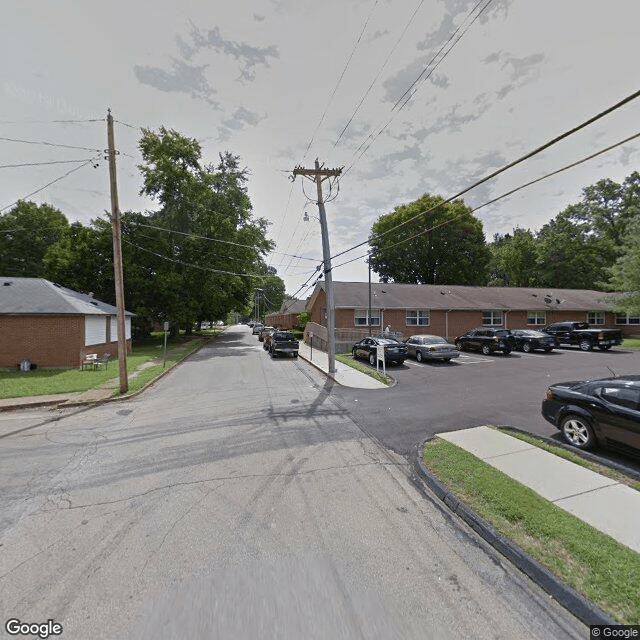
[[433, 340], [280, 335], [392, 341]]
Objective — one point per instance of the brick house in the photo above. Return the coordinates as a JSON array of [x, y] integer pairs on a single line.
[[287, 316], [51, 325], [450, 310]]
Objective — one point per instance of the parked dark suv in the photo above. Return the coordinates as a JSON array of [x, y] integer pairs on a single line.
[[487, 340]]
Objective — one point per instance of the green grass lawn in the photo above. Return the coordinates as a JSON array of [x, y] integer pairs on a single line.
[[348, 359], [42, 382], [593, 563], [631, 343]]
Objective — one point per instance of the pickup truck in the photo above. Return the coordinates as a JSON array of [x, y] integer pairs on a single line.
[[283, 342], [581, 334]]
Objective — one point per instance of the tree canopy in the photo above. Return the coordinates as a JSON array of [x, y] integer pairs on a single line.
[[26, 233], [445, 244]]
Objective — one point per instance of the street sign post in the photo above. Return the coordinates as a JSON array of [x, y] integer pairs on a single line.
[[166, 331]]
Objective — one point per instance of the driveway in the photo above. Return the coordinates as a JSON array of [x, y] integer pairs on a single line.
[[475, 390], [237, 499]]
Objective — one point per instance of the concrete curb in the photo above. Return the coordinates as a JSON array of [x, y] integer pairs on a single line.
[[394, 382], [569, 598]]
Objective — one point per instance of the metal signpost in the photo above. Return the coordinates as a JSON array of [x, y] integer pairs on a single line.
[[166, 331], [311, 338]]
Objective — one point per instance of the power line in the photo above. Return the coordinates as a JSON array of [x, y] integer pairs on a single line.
[[40, 164], [33, 193], [420, 78], [333, 93], [195, 266], [375, 79], [193, 235], [49, 144], [528, 155], [51, 121], [500, 197]]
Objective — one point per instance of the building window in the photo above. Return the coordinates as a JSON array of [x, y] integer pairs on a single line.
[[491, 318], [536, 317], [627, 319], [595, 317], [417, 317], [361, 317]]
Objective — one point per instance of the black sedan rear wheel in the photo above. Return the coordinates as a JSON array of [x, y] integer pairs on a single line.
[[486, 349], [526, 347], [577, 431], [459, 346], [419, 355]]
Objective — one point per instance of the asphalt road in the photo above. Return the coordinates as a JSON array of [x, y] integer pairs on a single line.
[[237, 499], [475, 390]]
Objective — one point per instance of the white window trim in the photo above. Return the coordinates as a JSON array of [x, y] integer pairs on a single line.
[[599, 318], [626, 318], [364, 313], [421, 314], [494, 315], [537, 316]]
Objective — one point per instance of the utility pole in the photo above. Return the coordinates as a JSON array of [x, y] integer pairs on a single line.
[[117, 258], [369, 314], [318, 175]]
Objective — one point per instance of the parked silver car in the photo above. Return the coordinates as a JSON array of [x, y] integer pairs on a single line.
[[428, 347]]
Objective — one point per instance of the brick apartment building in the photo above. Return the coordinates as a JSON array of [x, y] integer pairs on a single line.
[[51, 326], [450, 310]]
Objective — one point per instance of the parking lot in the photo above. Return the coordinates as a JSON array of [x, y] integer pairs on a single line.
[[475, 389]]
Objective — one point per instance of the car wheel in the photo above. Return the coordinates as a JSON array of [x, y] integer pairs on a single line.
[[419, 356], [446, 359], [585, 345], [605, 347], [372, 359], [506, 352], [400, 362], [548, 349], [486, 350], [577, 431], [459, 346], [353, 353], [526, 347]]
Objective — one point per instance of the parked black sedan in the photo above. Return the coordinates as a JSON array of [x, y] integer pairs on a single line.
[[394, 351], [528, 340], [487, 340], [605, 411]]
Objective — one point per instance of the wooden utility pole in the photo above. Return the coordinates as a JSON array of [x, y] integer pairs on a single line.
[[318, 175], [117, 258]]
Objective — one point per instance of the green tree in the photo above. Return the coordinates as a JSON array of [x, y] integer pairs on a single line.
[[514, 259], [625, 273], [445, 245], [26, 232], [203, 279]]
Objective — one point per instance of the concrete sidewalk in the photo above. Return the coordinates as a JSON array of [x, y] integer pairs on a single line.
[[607, 505], [344, 375]]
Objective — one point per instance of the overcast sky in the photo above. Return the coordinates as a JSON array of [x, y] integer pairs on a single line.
[[263, 78]]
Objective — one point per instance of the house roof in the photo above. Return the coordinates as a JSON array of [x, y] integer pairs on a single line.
[[350, 295], [37, 296], [292, 305]]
